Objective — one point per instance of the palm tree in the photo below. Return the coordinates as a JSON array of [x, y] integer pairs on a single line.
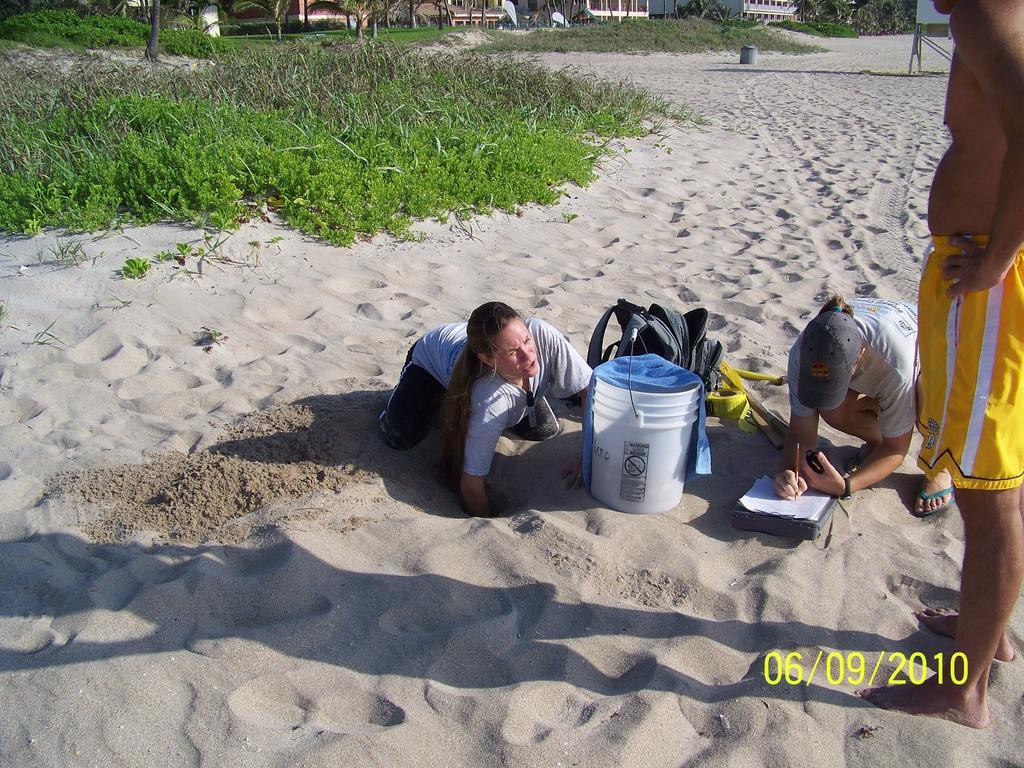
[[808, 10], [707, 9], [276, 9], [695, 8], [361, 9], [153, 44], [191, 16], [881, 17], [837, 10]]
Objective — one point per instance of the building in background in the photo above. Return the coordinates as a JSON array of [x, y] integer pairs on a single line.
[[474, 12], [762, 10], [593, 10], [758, 10]]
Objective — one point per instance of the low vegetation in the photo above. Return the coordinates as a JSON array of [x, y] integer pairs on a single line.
[[67, 29], [134, 268], [817, 28], [249, 32], [688, 35], [340, 142]]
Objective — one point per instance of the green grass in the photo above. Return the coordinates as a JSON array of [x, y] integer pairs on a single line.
[[689, 35], [342, 142], [817, 28], [250, 34], [66, 29]]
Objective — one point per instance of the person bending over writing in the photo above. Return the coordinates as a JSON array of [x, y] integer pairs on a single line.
[[853, 366]]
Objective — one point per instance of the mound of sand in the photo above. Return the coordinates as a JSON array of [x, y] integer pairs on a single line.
[[470, 38], [267, 458], [62, 58]]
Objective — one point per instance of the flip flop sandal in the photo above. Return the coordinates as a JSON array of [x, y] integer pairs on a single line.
[[936, 495]]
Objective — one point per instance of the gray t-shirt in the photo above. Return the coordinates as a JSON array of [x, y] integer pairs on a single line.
[[496, 404], [887, 369]]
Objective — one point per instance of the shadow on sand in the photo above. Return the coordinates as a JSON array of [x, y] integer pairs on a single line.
[[422, 626]]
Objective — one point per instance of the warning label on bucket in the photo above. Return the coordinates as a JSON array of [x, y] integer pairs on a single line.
[[634, 471]]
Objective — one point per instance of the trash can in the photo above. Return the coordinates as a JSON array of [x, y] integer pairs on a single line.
[[748, 54]]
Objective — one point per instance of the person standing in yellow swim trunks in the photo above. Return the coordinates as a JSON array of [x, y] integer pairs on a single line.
[[971, 341]]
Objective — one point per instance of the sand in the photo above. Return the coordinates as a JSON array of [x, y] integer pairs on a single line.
[[207, 557]]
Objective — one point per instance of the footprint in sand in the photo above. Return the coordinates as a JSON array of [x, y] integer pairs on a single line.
[[350, 286], [747, 311], [865, 289], [915, 590], [302, 345], [537, 711], [313, 702], [105, 355], [444, 615], [369, 311], [539, 297], [156, 383], [25, 409]]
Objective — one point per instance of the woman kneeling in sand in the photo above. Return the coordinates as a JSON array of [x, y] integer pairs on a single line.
[[854, 365], [487, 375]]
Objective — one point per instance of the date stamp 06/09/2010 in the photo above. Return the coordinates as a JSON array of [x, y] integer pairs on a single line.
[[852, 668]]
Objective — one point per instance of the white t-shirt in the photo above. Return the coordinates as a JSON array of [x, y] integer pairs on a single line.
[[438, 350], [886, 371], [496, 404]]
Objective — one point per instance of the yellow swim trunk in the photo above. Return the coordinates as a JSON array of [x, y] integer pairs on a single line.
[[971, 406]]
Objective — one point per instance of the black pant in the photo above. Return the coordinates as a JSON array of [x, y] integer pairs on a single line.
[[410, 411]]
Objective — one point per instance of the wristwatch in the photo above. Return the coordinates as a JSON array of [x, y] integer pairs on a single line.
[[847, 493]]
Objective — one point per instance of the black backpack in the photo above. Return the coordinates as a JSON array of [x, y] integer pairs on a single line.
[[680, 339]]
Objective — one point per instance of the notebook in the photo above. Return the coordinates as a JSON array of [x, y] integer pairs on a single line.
[[760, 509]]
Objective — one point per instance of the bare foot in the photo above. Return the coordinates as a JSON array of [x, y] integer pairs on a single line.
[[949, 702], [923, 507], [944, 622]]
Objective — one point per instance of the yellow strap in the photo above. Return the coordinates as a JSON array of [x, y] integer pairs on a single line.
[[753, 376]]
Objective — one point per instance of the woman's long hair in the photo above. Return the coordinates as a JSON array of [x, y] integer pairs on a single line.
[[487, 321]]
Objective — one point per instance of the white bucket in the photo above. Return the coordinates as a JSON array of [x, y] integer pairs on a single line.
[[638, 461]]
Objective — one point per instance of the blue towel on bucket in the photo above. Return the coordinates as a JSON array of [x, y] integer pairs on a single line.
[[649, 373]]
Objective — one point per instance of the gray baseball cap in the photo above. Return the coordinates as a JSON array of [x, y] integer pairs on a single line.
[[829, 348]]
